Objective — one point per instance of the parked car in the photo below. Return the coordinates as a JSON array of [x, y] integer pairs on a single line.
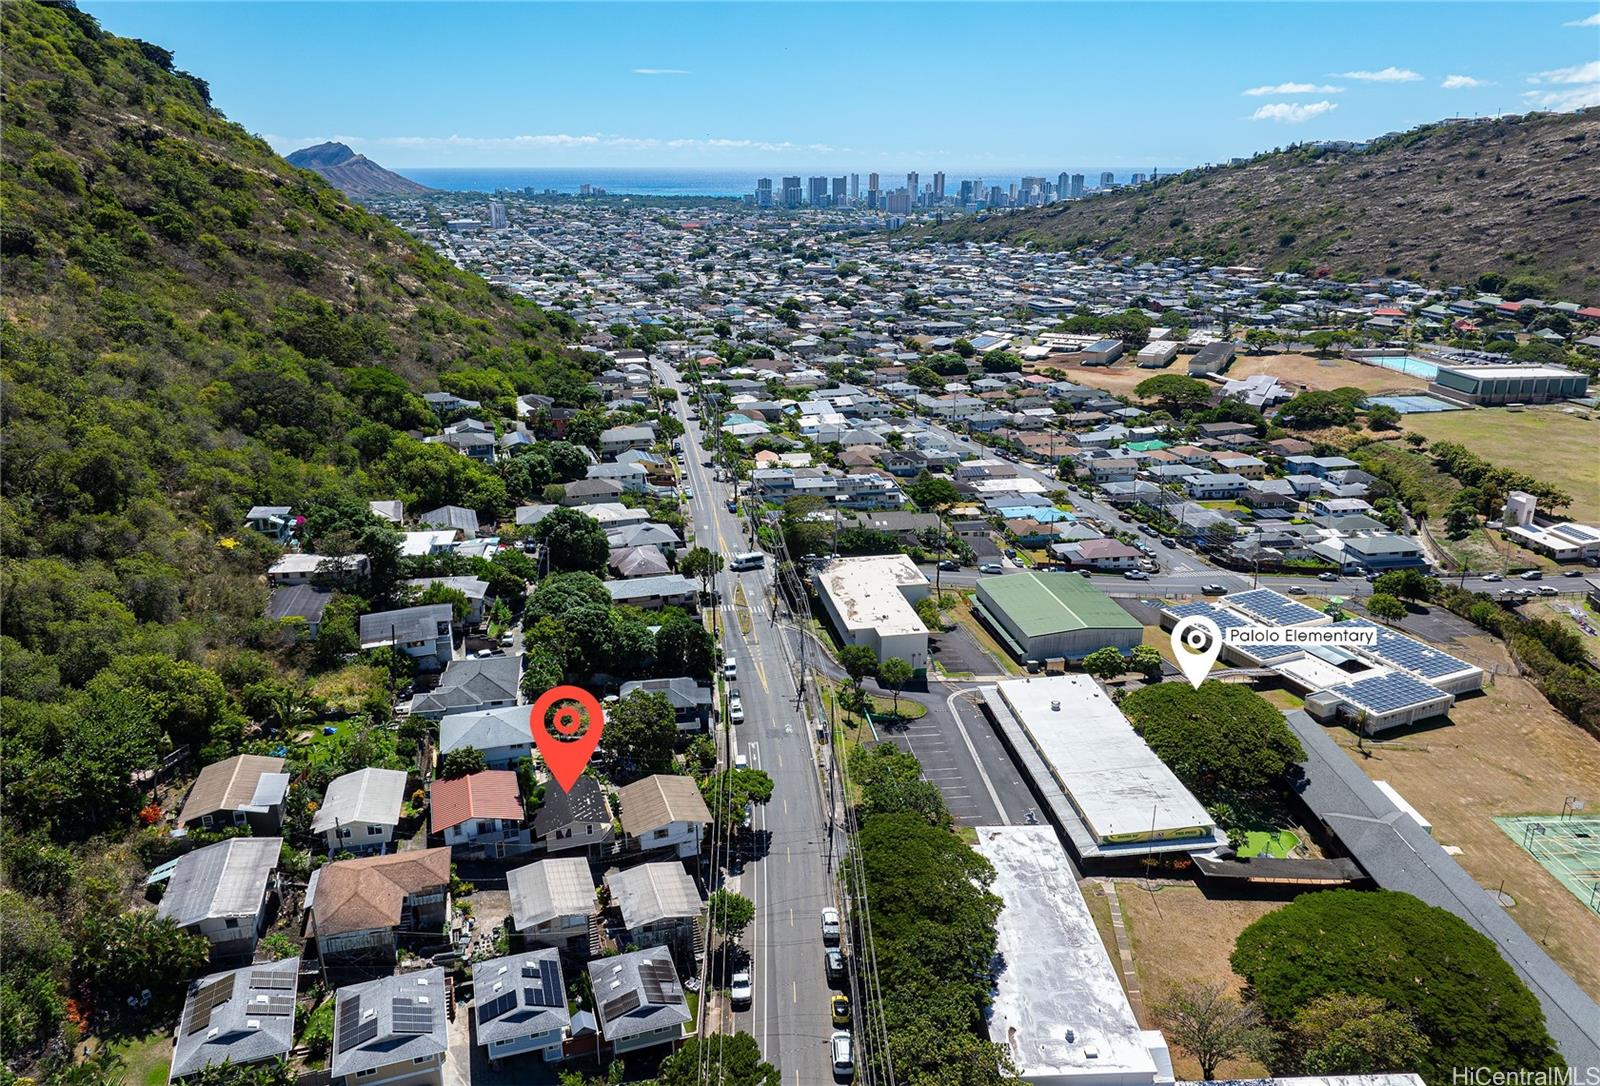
[[830, 926], [688, 493], [1533, 575], [844, 1064], [991, 567], [835, 963], [1547, 590], [740, 990], [1213, 590], [1572, 573], [1492, 577], [1086, 573], [950, 565], [736, 711], [508, 639], [840, 1006], [741, 761], [1326, 576], [1296, 590], [1136, 575], [730, 668]]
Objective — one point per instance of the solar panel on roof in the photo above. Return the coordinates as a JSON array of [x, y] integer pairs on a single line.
[[207, 999], [621, 1005], [499, 1005], [1272, 606], [414, 1016], [1406, 653], [275, 1004], [267, 979], [354, 1027], [1386, 693], [546, 991]]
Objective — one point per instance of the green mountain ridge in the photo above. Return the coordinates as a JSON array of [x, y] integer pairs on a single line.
[[1445, 203]]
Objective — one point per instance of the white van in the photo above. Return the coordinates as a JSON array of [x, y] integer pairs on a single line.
[[730, 669]]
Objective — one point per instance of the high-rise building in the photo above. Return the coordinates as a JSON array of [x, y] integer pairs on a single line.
[[1077, 184], [911, 186], [966, 192], [763, 192], [938, 187], [497, 215], [1136, 179], [1032, 190], [1108, 180], [839, 184], [791, 192], [996, 197], [874, 191], [1063, 184], [855, 186], [900, 202], [817, 192]]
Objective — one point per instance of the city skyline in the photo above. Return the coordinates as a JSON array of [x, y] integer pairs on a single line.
[[695, 84]]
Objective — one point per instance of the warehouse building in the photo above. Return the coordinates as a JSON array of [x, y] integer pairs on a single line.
[[870, 601], [1048, 616], [1491, 385], [1101, 784]]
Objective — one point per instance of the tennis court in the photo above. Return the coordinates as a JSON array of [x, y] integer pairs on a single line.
[[1414, 405], [1568, 848]]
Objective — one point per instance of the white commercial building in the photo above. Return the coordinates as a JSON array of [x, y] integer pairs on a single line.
[[870, 601], [1059, 1009]]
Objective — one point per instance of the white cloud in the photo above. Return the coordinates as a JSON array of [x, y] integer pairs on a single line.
[[1463, 82], [1577, 87], [1293, 88], [661, 71], [1592, 20], [1578, 73], [1385, 75], [1292, 112]]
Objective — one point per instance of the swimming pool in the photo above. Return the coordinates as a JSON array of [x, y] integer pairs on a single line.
[[1411, 367]]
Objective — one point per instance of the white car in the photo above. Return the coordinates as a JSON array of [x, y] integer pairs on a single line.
[[830, 926], [1136, 575], [736, 711], [1492, 577], [740, 990], [508, 639], [844, 1064], [730, 669], [741, 761]]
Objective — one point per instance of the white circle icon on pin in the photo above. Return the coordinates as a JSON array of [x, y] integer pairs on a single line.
[[1196, 643]]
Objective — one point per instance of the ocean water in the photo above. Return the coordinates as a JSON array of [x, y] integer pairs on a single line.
[[691, 180]]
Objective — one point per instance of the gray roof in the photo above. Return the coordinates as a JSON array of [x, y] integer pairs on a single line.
[[1400, 855], [405, 624], [228, 878], [451, 516], [681, 691], [505, 727], [637, 993], [638, 535], [389, 510], [533, 514], [653, 892], [471, 683], [367, 795], [638, 562], [298, 601], [668, 584], [560, 886], [238, 1016], [474, 588], [368, 1012], [585, 803], [518, 996]]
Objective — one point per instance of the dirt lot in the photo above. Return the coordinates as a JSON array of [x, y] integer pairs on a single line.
[[1505, 752], [1298, 371], [1180, 935]]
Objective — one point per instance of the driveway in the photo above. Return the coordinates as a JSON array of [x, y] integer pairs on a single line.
[[957, 652]]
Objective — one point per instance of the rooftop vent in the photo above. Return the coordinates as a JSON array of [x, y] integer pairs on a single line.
[[1055, 706]]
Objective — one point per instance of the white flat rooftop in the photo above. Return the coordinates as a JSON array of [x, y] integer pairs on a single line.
[[1057, 976], [1115, 781], [868, 592]]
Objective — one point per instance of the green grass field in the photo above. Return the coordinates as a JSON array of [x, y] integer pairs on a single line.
[[1547, 443], [1275, 843]]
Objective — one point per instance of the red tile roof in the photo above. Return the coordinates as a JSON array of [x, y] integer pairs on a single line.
[[494, 793], [1590, 311]]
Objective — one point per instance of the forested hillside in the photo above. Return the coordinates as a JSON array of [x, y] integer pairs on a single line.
[[191, 326], [1514, 197]]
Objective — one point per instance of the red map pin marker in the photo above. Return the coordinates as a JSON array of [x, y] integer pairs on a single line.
[[565, 750]]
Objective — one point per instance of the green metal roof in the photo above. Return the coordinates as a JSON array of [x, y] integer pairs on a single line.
[[1145, 446], [1047, 603]]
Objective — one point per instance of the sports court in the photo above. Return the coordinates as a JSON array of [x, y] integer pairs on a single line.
[[1414, 405], [1568, 848]]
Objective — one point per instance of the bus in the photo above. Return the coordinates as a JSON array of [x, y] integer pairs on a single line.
[[747, 560]]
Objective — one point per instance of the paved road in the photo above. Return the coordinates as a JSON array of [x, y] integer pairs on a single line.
[[788, 881]]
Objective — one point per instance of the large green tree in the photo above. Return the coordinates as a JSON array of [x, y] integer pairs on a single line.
[[734, 1060], [574, 541], [1224, 741], [639, 733], [1174, 392]]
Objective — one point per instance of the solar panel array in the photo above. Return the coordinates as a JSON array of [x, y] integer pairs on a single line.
[[1386, 693], [1227, 620], [270, 979], [274, 1004], [412, 1014], [1406, 653], [494, 1008], [207, 999], [352, 1028], [621, 1005], [1273, 607], [546, 989], [660, 982]]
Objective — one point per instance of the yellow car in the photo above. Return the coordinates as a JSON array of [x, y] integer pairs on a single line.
[[841, 1010]]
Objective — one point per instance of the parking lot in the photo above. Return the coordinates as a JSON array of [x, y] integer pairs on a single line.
[[963, 758]]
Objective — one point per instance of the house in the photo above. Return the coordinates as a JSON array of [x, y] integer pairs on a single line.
[[647, 534], [1270, 494], [481, 814], [355, 910], [1242, 464], [575, 818], [640, 1001], [502, 735], [392, 511], [446, 402], [241, 1016], [654, 593], [276, 522], [1212, 358], [222, 892], [552, 902], [474, 588], [907, 528], [1113, 470], [469, 442], [463, 520], [361, 810], [691, 702], [664, 811], [392, 1031], [247, 789], [472, 685], [1107, 554], [1213, 486], [424, 633], [301, 604], [619, 439], [659, 904], [296, 568], [631, 562], [591, 492], [635, 478], [520, 1005], [436, 541]]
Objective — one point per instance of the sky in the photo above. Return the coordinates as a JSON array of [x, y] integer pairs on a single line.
[[864, 86]]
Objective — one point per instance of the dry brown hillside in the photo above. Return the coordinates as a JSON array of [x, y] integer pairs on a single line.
[[1519, 196]]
